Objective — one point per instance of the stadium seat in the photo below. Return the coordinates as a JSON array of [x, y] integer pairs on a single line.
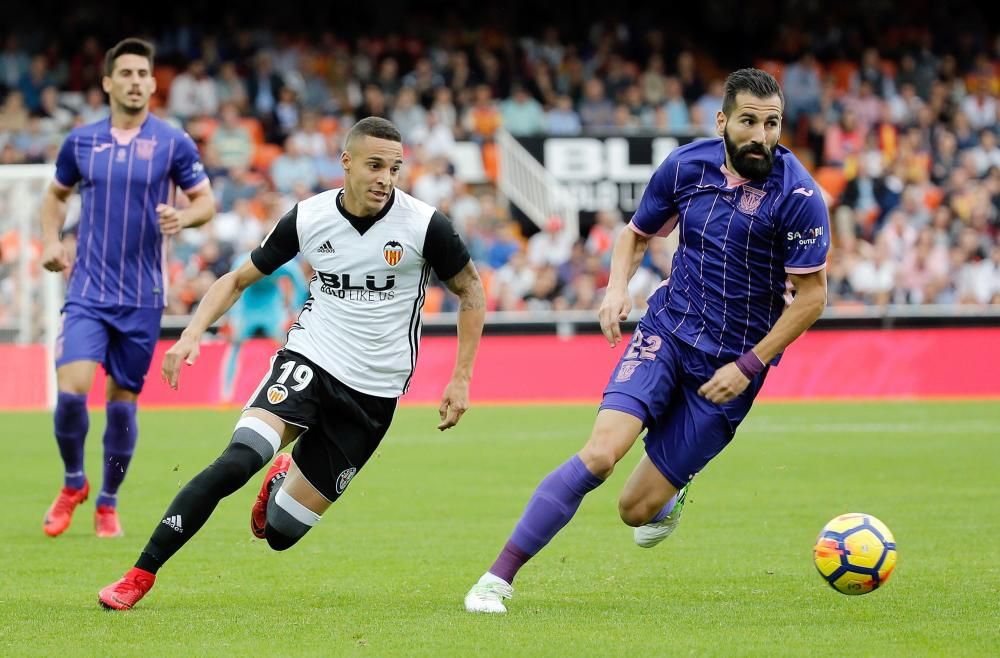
[[832, 180], [328, 125], [841, 71], [773, 66], [255, 128], [433, 300], [164, 75], [263, 155]]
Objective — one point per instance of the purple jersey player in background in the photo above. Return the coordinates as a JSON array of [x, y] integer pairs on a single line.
[[750, 218], [126, 166]]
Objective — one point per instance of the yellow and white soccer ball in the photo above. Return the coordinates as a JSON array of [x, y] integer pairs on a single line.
[[855, 553]]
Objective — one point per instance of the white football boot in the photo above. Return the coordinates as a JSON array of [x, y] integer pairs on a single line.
[[651, 534], [488, 594]]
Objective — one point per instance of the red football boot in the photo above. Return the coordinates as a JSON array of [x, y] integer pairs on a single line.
[[125, 593], [58, 518], [274, 475], [106, 522]]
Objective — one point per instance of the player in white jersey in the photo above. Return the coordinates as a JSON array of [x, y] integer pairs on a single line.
[[348, 357]]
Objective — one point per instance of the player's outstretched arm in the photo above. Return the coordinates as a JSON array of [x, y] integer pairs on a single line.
[[808, 304], [220, 297], [53, 211], [617, 303], [471, 318]]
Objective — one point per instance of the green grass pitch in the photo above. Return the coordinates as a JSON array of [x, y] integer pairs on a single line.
[[385, 572]]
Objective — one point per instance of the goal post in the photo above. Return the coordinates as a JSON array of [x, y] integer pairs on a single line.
[[31, 296]]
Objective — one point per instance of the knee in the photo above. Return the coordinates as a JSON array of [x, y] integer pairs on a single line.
[[636, 509], [279, 541], [598, 460], [634, 514]]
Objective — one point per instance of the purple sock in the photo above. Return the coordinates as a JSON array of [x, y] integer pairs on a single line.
[[71, 425], [667, 509], [119, 443], [553, 504]]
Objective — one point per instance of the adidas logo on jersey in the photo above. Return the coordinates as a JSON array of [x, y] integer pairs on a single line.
[[326, 248], [173, 522]]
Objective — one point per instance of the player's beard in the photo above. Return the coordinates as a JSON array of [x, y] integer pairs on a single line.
[[744, 164]]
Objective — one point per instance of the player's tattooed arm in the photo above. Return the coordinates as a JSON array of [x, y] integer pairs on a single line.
[[469, 288], [471, 318]]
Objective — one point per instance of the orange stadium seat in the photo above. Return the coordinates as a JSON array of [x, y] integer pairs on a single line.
[[433, 300], [264, 155], [841, 71], [773, 66], [328, 125], [255, 128], [164, 75], [831, 179]]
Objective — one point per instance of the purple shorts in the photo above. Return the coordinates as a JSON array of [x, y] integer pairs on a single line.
[[657, 381], [121, 338]]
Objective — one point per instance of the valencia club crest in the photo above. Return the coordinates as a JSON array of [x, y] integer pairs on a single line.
[[393, 252]]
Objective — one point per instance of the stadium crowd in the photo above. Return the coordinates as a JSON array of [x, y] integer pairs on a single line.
[[901, 132]]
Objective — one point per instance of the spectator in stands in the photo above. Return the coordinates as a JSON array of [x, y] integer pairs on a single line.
[[291, 167], [673, 115], [980, 105], [522, 114], [14, 62], [230, 88], [803, 89], [602, 235], [231, 139], [192, 93], [423, 80], [562, 120], [652, 81], [436, 184], [56, 118], [34, 80], [596, 111], [482, 118], [94, 108], [437, 139], [14, 114], [843, 139], [874, 276], [263, 87], [409, 115], [310, 138], [550, 246]]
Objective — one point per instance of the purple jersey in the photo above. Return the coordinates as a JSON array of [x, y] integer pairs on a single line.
[[739, 240], [123, 176]]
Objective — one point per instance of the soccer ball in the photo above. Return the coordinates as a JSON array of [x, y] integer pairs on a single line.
[[855, 553]]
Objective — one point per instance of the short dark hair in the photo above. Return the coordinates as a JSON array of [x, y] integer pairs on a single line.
[[130, 46], [760, 84], [374, 127]]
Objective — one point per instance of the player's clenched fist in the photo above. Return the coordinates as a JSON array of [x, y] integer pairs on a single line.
[[54, 257], [170, 219]]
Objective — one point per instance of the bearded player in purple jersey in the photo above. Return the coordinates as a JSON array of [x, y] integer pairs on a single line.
[[750, 218], [127, 167]]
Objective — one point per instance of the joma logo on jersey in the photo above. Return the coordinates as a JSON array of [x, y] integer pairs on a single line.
[[393, 252], [336, 284]]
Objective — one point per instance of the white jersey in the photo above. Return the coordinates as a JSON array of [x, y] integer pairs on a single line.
[[361, 322]]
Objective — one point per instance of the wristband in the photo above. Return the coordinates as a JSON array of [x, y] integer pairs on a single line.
[[750, 364]]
